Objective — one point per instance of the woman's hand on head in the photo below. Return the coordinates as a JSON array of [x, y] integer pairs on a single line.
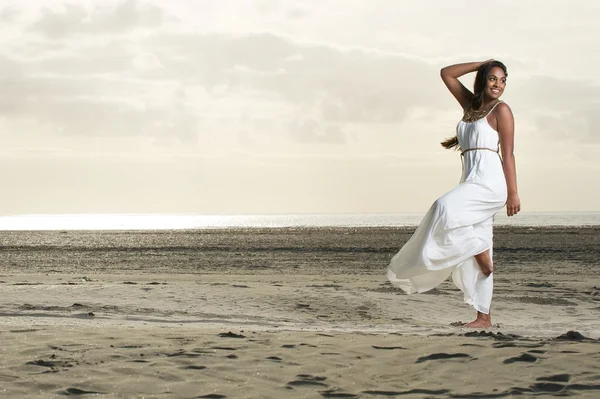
[[513, 204]]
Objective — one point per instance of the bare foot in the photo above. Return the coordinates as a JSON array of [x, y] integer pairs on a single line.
[[479, 324], [482, 321]]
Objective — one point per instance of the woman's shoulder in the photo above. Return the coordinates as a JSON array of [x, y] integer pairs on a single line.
[[502, 107], [503, 114]]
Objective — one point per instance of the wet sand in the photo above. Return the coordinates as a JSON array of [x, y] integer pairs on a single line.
[[270, 313]]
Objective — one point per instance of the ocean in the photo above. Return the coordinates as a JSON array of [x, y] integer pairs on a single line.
[[191, 221]]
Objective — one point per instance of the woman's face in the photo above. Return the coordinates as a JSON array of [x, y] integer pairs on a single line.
[[496, 82]]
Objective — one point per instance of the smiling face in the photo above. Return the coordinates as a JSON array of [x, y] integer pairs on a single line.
[[495, 84]]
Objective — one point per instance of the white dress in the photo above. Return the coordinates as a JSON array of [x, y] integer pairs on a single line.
[[458, 225]]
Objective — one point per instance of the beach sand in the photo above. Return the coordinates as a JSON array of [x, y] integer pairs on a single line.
[[278, 313]]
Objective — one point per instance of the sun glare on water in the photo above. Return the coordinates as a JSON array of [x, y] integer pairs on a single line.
[[195, 221]]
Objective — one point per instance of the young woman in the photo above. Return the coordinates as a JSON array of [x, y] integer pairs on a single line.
[[455, 236]]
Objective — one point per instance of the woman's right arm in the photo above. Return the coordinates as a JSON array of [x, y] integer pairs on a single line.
[[450, 75]]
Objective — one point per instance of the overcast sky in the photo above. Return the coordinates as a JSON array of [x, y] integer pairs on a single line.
[[324, 106]]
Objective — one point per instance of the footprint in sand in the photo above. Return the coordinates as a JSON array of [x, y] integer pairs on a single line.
[[540, 285], [185, 354], [193, 367], [584, 387], [223, 348], [500, 345], [524, 357], [547, 387], [388, 347], [555, 378], [442, 356], [308, 380], [334, 393], [51, 364], [497, 336], [573, 336], [231, 335], [77, 392], [411, 392]]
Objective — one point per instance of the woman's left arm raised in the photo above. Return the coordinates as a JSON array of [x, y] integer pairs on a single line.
[[506, 130]]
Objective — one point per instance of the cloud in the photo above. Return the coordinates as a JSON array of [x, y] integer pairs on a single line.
[[146, 61], [236, 83], [127, 86], [97, 107], [121, 17], [9, 70], [562, 109], [297, 13], [352, 86], [310, 130], [9, 15]]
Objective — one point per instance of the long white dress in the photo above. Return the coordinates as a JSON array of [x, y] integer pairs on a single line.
[[458, 225]]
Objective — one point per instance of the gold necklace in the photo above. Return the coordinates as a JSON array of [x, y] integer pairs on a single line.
[[472, 115]]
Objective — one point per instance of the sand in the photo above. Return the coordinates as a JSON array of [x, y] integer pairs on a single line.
[[275, 313]]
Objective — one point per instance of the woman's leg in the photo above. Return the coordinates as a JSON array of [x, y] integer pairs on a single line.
[[487, 267], [485, 262]]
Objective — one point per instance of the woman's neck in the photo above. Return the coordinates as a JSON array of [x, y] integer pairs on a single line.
[[487, 101]]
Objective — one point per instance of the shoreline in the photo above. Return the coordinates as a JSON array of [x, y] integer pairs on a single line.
[[216, 229]]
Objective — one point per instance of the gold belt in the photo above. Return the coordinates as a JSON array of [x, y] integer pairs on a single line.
[[474, 149]]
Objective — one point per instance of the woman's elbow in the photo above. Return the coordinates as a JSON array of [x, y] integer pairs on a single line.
[[508, 155]]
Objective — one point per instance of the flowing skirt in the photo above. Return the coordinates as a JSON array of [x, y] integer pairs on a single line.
[[457, 227]]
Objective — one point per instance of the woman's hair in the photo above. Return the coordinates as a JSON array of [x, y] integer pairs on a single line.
[[478, 89]]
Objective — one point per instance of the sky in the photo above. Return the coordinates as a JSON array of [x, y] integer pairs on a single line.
[[260, 107]]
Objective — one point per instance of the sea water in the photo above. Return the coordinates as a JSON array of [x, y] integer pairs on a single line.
[[191, 221]]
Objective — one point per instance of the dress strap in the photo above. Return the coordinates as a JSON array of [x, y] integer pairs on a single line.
[[490, 111]]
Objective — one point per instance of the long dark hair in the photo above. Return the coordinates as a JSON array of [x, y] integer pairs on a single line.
[[478, 89]]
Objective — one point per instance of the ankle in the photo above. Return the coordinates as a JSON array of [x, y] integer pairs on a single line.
[[483, 316]]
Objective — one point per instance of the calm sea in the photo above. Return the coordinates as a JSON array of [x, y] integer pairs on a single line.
[[187, 221]]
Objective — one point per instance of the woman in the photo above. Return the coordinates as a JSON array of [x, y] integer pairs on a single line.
[[455, 236]]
